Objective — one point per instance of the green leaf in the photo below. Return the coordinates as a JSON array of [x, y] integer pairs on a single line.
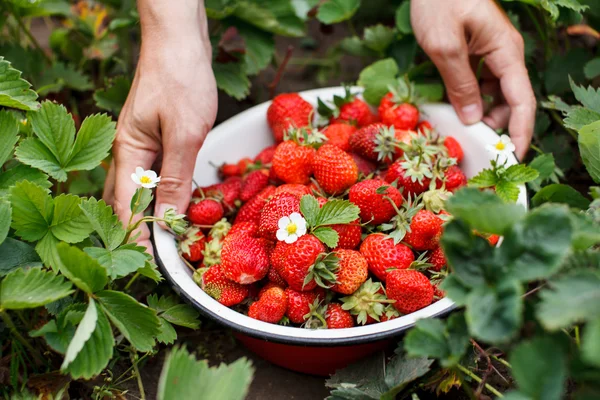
[[561, 66], [589, 97], [61, 75], [433, 338], [9, 131], [260, 48], [540, 373], [16, 254], [544, 165], [507, 191], [552, 6], [232, 79], [590, 347], [141, 200], [494, 314], [15, 92], [589, 147], [134, 320], [93, 143], [32, 288], [183, 377], [55, 128], [5, 218], [403, 18], [378, 37], [91, 350], [167, 334], [430, 91], [309, 207], [592, 68], [59, 332], [150, 271], [586, 231], [81, 269], [376, 78], [484, 211], [401, 371], [557, 193], [275, 16], [119, 262], [327, 235], [32, 210], [334, 11], [484, 179], [171, 310], [22, 172], [112, 97], [554, 103], [46, 249], [337, 212], [32, 152], [520, 173], [579, 117], [354, 46], [455, 289], [104, 221], [533, 248], [570, 299], [69, 224]]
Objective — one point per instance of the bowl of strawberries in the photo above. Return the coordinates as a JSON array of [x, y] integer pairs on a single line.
[[316, 240]]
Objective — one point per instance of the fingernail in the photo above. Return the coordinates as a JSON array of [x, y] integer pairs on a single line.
[[471, 113]]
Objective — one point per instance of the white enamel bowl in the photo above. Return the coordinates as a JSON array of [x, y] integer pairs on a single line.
[[245, 135]]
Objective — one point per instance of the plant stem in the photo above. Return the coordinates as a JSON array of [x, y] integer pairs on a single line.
[[133, 278], [13, 329], [471, 375], [536, 23], [501, 361], [558, 119], [577, 338], [29, 35], [139, 379]]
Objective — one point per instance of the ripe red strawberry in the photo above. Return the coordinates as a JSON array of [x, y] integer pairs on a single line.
[[273, 276], [216, 285], [493, 239], [277, 260], [298, 259], [280, 205], [270, 307], [251, 210], [266, 155], [253, 184], [292, 163], [425, 231], [363, 142], [437, 259], [389, 314], [351, 273], [375, 208], [296, 189], [338, 318], [411, 184], [438, 293], [382, 254], [365, 167], [244, 259], [192, 244], [268, 286], [423, 127], [288, 110], [299, 304], [248, 228], [402, 116], [229, 191], [244, 164], [229, 170], [205, 212], [349, 235], [378, 142], [454, 148], [410, 288], [386, 103], [334, 169], [338, 134], [454, 179]]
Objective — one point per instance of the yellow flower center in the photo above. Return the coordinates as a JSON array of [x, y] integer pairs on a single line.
[[500, 146], [291, 228], [145, 179]]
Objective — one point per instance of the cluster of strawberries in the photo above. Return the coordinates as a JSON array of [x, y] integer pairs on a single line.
[[330, 227]]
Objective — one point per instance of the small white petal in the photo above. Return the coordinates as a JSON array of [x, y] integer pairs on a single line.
[[301, 230], [151, 174], [157, 179], [301, 223], [283, 222], [505, 139], [281, 234], [149, 185], [139, 171], [296, 217], [291, 238], [136, 179], [510, 147]]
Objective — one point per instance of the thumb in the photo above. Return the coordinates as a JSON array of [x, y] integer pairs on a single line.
[[462, 87]]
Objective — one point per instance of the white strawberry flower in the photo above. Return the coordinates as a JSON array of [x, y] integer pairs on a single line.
[[147, 179], [502, 148], [291, 228]]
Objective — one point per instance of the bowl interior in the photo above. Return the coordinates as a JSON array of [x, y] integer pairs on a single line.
[[245, 135]]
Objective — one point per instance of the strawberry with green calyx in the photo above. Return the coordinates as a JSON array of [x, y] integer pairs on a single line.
[[425, 231], [323, 271], [212, 252], [338, 318], [265, 156], [220, 229], [390, 313], [244, 259], [292, 161], [410, 288], [453, 179], [399, 106], [191, 244], [315, 318], [319, 219], [378, 142], [270, 307], [299, 304], [381, 253], [349, 235], [297, 259], [288, 110], [400, 224], [334, 169], [348, 108], [376, 200], [352, 271], [437, 259], [435, 200], [453, 148], [338, 134], [367, 301], [411, 174], [214, 283], [205, 211]]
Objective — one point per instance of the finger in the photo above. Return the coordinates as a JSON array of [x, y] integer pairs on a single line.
[[109, 185], [451, 56], [498, 117], [179, 159], [508, 64]]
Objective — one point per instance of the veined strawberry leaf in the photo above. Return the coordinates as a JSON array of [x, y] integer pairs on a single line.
[[9, 131], [520, 173], [327, 235], [15, 92], [81, 269], [589, 147], [579, 117], [104, 222], [589, 97], [337, 212], [507, 191], [32, 288], [309, 207], [334, 11], [485, 178], [376, 78]]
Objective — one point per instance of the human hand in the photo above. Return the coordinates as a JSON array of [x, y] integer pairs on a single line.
[[170, 108], [450, 31]]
